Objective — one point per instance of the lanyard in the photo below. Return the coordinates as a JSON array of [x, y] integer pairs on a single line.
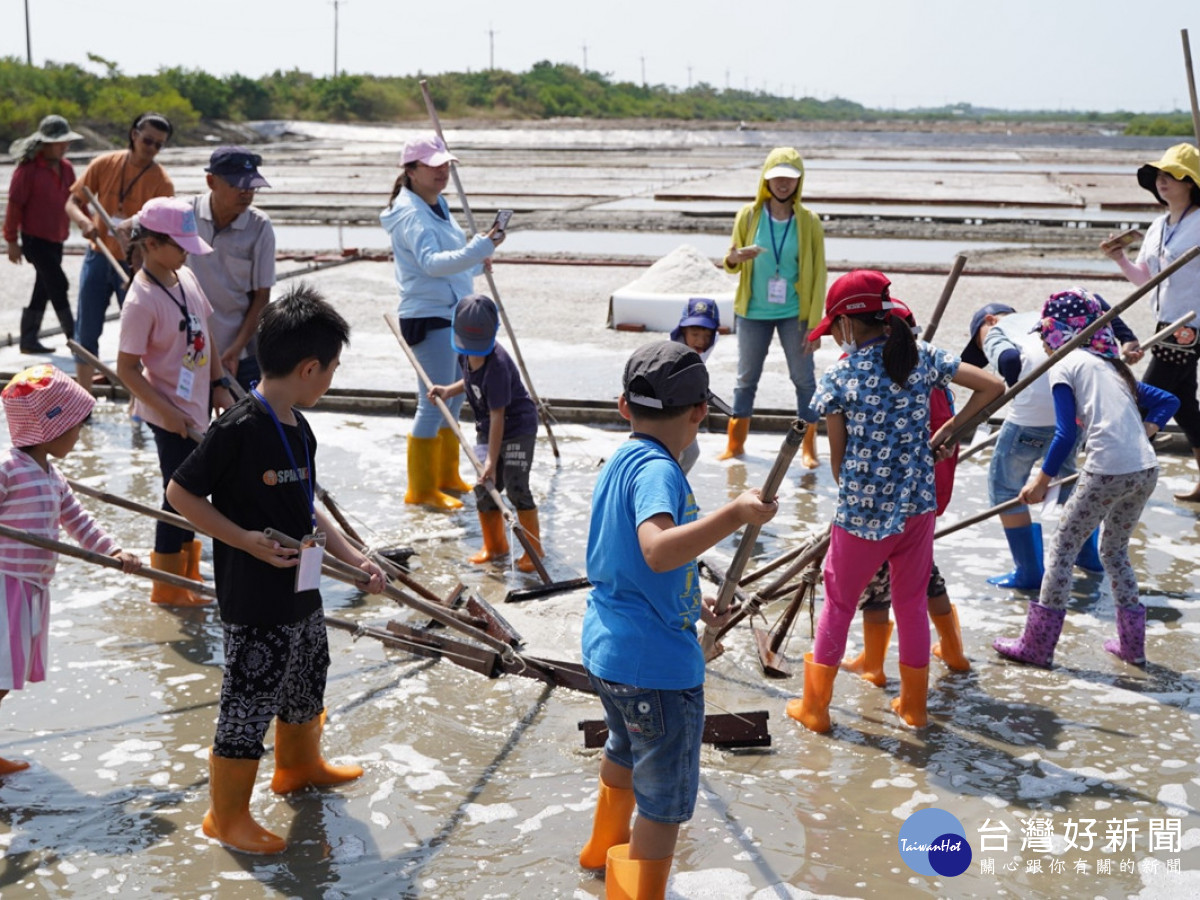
[[287, 447], [778, 250], [124, 189], [185, 322]]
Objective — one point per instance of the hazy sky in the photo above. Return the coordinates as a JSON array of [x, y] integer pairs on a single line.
[[1049, 54]]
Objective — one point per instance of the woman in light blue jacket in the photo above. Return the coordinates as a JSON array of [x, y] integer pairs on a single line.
[[435, 268]]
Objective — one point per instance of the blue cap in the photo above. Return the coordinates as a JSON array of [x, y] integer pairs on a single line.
[[973, 354], [700, 311], [238, 166]]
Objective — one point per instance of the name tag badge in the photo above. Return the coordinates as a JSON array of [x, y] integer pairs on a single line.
[[187, 379], [777, 290], [312, 554]]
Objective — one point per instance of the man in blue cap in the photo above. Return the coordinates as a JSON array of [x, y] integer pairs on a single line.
[[238, 275]]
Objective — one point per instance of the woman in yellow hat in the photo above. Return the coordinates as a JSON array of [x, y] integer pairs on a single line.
[[1174, 181]]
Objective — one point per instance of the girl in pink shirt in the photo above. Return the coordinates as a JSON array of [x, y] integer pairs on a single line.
[[167, 359], [44, 409]]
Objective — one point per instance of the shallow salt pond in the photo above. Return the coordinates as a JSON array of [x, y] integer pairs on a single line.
[[481, 788]]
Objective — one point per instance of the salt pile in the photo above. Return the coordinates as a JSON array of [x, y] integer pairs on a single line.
[[654, 301]]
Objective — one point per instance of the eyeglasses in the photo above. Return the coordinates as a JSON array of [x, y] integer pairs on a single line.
[[151, 142]]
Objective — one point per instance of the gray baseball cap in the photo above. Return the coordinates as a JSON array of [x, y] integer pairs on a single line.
[[476, 321], [665, 374]]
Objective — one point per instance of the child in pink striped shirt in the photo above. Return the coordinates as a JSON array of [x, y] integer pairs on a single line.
[[45, 409]]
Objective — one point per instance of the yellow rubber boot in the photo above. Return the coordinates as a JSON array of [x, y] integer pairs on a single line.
[[449, 477], [192, 551], [423, 471], [168, 594], [808, 447], [635, 879], [950, 648], [529, 521], [739, 429], [868, 665], [8, 766], [914, 691], [610, 825], [298, 761], [812, 708], [230, 784], [495, 541]]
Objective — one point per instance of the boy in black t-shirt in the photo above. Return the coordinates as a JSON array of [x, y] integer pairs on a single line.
[[257, 464]]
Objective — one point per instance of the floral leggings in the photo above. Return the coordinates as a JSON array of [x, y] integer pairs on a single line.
[[1115, 500]]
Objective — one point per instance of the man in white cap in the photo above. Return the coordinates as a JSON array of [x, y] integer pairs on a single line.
[[238, 275]]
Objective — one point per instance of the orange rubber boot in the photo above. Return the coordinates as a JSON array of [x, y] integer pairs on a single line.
[[298, 761], [8, 766], [808, 447], [868, 665], [950, 648], [495, 541], [168, 594], [529, 521], [230, 784], [812, 708], [635, 879], [739, 430], [610, 825], [914, 691]]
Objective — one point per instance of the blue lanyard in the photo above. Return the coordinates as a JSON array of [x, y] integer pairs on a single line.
[[308, 479], [778, 250]]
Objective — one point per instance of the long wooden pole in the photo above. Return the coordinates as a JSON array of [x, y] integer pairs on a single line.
[[1191, 83], [931, 326], [99, 241], [787, 452], [452, 424], [542, 407], [109, 562]]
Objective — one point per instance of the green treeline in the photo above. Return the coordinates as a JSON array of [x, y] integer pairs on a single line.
[[107, 102]]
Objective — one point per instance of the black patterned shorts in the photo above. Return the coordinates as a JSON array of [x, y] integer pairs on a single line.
[[270, 670]]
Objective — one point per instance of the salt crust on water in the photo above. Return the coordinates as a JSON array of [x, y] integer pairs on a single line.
[[685, 270]]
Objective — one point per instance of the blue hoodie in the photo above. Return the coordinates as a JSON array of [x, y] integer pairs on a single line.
[[435, 264]]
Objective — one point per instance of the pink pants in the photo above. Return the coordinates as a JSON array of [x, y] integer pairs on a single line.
[[849, 566], [24, 632]]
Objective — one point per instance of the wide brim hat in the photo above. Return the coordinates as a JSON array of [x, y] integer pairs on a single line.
[[857, 292], [51, 130], [42, 403], [1181, 161]]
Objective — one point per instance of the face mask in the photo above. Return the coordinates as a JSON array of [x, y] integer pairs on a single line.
[[848, 346]]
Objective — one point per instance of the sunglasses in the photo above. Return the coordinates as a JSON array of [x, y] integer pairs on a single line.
[[151, 142]]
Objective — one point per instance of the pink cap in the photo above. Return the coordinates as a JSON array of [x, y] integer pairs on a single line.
[[175, 218], [860, 291], [428, 149], [43, 403]]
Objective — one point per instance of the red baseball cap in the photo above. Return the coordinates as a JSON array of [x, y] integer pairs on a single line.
[[860, 291]]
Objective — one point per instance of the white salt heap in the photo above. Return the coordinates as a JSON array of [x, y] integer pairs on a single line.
[[685, 270]]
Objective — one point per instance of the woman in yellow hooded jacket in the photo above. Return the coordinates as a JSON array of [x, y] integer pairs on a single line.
[[778, 251]]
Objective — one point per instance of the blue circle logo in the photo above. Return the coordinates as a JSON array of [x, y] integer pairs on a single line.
[[933, 842]]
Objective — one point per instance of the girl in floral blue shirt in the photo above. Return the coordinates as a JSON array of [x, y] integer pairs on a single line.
[[876, 407]]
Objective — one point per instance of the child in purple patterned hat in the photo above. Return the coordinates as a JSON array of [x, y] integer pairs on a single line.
[[45, 409], [1093, 386]]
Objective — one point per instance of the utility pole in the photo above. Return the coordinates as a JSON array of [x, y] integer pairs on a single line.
[[643, 58], [689, 68], [585, 68], [336, 3], [491, 47], [726, 79], [28, 43]]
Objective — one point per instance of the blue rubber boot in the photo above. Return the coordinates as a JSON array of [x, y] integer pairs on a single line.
[[1026, 546], [1088, 557]]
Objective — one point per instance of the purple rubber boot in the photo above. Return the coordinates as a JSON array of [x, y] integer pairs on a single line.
[[1130, 644], [1036, 646]]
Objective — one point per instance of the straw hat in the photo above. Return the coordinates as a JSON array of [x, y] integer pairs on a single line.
[[43, 403]]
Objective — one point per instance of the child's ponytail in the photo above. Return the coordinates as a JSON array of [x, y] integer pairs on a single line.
[[900, 354], [1126, 375]]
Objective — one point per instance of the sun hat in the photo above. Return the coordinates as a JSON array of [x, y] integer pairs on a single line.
[[174, 217], [665, 374], [700, 311], [860, 291], [428, 149], [973, 354], [43, 403], [1067, 313], [1180, 161], [238, 166], [51, 130], [475, 323]]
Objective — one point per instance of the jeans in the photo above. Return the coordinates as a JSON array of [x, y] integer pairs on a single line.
[[97, 283], [440, 362], [656, 733], [754, 340], [1018, 449]]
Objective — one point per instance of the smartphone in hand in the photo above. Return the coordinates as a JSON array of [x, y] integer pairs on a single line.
[[502, 217], [1124, 239]]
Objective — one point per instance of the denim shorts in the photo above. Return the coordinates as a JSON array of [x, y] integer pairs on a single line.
[[657, 735], [1018, 449]]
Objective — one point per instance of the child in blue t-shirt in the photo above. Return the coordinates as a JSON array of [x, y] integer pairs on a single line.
[[639, 632], [506, 424]]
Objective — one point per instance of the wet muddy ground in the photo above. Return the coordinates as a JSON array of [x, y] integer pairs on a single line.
[[480, 788]]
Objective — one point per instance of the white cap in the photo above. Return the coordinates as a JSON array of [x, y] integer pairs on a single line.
[[782, 171]]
